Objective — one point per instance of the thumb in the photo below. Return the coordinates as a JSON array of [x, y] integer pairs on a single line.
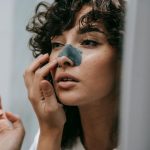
[[49, 102], [15, 120], [47, 89]]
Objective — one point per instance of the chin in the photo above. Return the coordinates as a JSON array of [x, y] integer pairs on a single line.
[[69, 98]]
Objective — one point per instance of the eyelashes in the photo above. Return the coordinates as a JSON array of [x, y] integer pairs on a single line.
[[87, 43], [56, 45], [90, 43]]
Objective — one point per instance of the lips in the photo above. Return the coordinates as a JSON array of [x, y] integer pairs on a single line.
[[65, 77], [65, 81]]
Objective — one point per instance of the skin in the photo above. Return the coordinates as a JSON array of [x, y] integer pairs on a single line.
[[96, 73], [97, 70], [11, 131], [49, 112], [72, 53]]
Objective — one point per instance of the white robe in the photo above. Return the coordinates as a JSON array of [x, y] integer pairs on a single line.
[[77, 146]]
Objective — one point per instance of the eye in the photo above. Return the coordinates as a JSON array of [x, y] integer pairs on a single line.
[[89, 43], [56, 45]]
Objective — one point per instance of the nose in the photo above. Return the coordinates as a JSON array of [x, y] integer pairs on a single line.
[[70, 56], [64, 61]]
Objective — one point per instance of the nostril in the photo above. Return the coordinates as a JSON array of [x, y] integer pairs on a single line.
[[64, 61], [67, 63], [58, 66]]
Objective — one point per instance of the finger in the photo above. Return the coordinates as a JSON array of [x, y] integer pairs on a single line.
[[14, 119], [46, 88], [4, 123], [0, 103], [38, 62], [2, 114], [49, 95], [45, 70]]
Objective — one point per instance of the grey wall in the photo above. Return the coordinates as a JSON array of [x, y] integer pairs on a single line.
[[6, 44], [135, 113], [14, 58], [21, 58]]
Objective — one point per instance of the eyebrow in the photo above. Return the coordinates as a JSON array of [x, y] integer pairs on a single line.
[[87, 29]]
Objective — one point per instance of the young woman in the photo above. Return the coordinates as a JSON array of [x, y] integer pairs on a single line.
[[73, 83], [79, 44]]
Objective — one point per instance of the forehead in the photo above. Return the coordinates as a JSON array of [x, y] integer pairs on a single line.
[[77, 25], [84, 11]]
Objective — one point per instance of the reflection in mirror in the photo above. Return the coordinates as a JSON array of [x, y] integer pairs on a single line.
[[76, 107], [81, 104]]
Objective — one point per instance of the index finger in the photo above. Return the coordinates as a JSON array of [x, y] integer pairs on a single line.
[[45, 70], [38, 62], [0, 103]]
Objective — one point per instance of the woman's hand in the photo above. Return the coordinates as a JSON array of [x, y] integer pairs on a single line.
[[11, 131], [49, 112]]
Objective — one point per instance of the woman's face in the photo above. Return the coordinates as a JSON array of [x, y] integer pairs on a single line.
[[94, 78]]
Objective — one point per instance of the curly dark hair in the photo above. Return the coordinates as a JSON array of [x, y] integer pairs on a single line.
[[53, 19]]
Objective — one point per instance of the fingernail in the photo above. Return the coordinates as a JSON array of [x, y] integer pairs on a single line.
[[1, 112]]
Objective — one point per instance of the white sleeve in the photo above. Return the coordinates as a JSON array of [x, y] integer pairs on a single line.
[[35, 142], [78, 146]]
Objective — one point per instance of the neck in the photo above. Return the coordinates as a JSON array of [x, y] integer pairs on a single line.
[[97, 121]]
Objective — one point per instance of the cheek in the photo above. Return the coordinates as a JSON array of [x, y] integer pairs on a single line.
[[99, 72], [99, 63]]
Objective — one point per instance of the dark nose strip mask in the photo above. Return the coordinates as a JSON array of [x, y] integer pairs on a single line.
[[72, 53]]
